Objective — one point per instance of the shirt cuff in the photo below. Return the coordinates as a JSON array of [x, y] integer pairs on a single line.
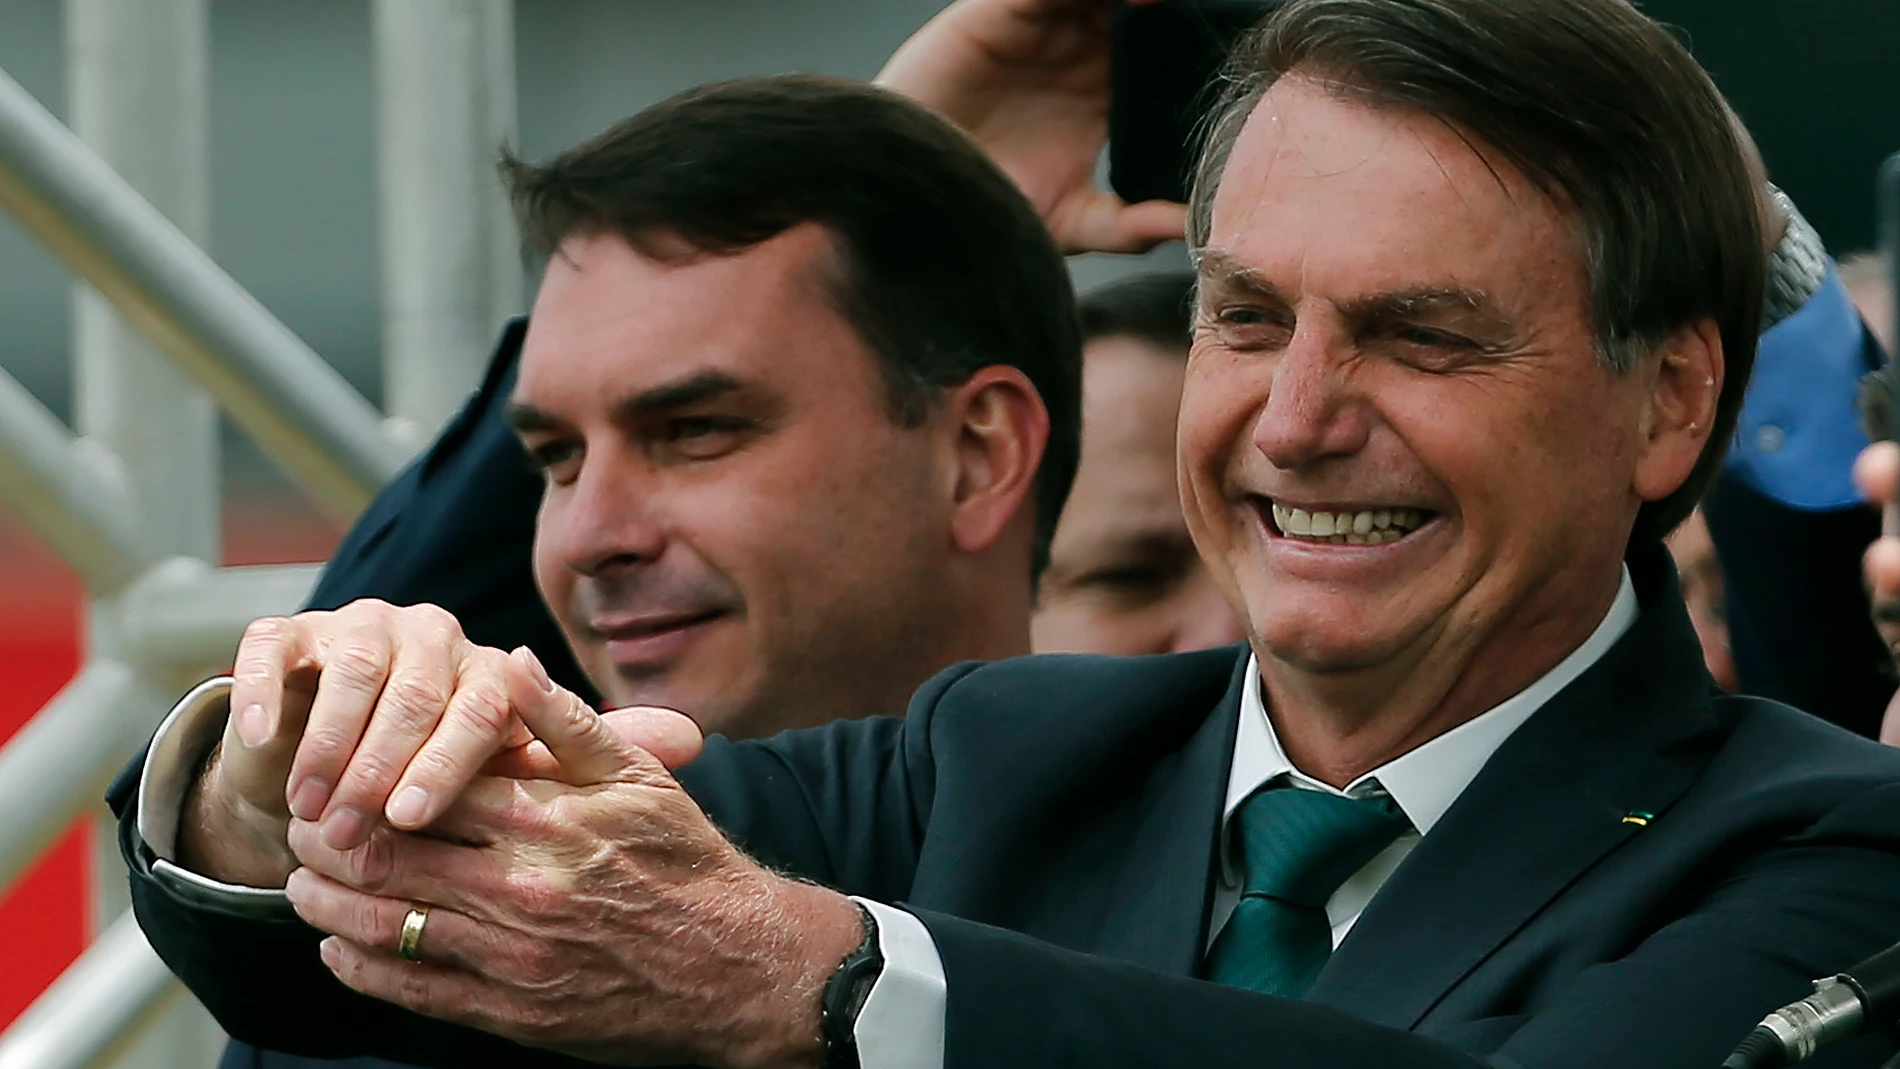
[[901, 1024], [185, 739]]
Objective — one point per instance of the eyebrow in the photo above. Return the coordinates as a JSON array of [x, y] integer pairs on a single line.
[[1419, 301], [687, 390], [1217, 268], [1221, 269]]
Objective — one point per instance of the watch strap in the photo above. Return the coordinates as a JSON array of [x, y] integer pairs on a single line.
[[845, 995], [1797, 267]]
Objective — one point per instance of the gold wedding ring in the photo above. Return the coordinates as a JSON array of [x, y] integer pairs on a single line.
[[409, 945]]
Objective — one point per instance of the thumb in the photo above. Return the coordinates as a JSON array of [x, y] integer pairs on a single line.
[[1096, 220], [667, 734], [1877, 472], [671, 737], [581, 749]]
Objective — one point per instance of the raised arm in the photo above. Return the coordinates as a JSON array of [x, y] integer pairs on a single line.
[[1029, 80]]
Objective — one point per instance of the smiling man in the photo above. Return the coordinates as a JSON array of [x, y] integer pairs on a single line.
[[792, 467], [1490, 269]]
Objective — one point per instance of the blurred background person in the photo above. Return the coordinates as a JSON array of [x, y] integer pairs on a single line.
[[1877, 473], [1123, 575], [1869, 284], [1694, 553], [1787, 522]]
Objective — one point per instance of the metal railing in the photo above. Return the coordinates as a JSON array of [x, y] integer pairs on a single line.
[[158, 617]]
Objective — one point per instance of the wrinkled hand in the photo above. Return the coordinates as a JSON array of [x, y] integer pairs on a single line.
[[1877, 473], [611, 922], [360, 715], [1029, 81]]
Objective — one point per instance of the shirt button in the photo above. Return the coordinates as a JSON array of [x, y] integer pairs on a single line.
[[1770, 439]]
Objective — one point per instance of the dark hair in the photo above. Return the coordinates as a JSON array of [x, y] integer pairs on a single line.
[[944, 267], [1156, 308], [1599, 107]]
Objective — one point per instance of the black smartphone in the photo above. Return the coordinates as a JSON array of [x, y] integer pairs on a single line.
[[1164, 69], [1880, 389]]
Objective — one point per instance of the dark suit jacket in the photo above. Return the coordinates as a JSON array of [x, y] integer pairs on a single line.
[[1053, 821]]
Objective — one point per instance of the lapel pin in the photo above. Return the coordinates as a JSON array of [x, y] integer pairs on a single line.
[[1638, 818]]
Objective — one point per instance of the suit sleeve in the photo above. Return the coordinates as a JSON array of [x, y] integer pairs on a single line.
[[1683, 997], [841, 805]]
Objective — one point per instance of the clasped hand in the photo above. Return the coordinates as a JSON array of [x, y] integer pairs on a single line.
[[376, 759], [578, 898]]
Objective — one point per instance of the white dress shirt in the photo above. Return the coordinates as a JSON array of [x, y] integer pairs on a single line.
[[901, 1024]]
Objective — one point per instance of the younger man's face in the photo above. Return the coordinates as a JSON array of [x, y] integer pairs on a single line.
[[733, 524]]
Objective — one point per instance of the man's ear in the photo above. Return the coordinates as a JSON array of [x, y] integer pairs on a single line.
[[1683, 399], [999, 428]]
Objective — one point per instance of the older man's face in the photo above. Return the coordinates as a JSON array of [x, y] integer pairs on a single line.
[[1397, 444]]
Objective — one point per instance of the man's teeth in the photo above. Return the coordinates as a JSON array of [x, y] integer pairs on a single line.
[[1367, 528]]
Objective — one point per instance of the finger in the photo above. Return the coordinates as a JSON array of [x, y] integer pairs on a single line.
[[406, 866], [586, 751], [670, 736], [355, 665], [374, 922], [1882, 567], [1099, 221], [432, 990], [495, 810], [424, 642], [479, 723], [1877, 473], [271, 685], [489, 809]]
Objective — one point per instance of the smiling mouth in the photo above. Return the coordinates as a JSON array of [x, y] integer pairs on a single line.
[[650, 628], [1356, 527]]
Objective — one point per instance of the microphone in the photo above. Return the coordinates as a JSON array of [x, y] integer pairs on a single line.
[[1841, 1006]]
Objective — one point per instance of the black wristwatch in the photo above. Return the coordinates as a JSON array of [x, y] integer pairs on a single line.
[[1796, 269], [845, 994]]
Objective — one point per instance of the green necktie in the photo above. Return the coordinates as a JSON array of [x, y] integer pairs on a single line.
[[1296, 848]]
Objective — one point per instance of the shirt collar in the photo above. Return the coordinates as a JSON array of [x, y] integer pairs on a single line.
[[1424, 782]]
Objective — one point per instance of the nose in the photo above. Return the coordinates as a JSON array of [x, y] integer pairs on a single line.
[[609, 518], [1206, 620], [1309, 413]]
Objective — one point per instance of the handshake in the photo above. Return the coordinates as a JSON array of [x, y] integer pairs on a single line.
[[544, 875]]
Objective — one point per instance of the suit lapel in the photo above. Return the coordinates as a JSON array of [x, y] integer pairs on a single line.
[[1156, 912], [1547, 807]]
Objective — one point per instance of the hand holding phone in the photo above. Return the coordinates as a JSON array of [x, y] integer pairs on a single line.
[[1029, 81], [1166, 63]]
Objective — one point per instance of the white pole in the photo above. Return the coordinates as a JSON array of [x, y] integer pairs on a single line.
[[137, 81], [451, 269], [137, 77], [297, 408], [84, 1020]]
